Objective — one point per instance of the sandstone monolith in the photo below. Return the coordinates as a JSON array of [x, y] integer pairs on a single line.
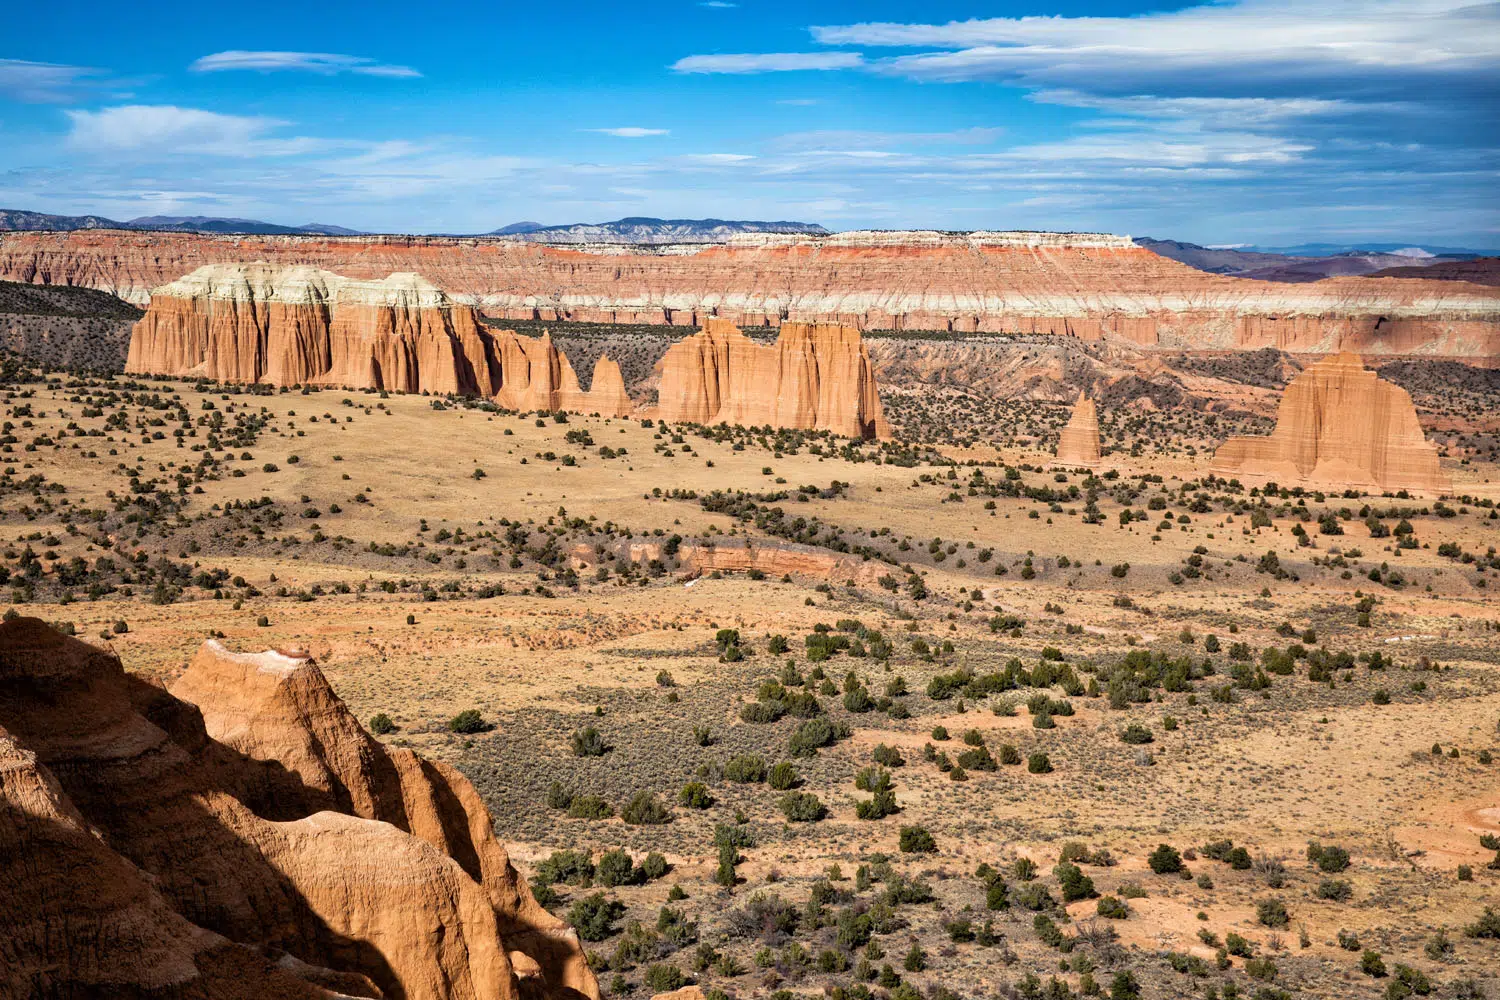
[[254, 843], [1339, 427], [815, 377], [1079, 443]]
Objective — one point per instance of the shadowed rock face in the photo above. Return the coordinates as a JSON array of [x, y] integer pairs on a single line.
[[1079, 443], [1339, 427], [256, 844], [305, 326], [813, 378]]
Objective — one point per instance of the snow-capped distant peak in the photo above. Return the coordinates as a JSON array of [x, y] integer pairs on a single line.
[[1412, 252]]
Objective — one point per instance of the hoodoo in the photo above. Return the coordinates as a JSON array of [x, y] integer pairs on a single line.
[[813, 378], [1339, 426], [243, 837], [1079, 444], [305, 326]]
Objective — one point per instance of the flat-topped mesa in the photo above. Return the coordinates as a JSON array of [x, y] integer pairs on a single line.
[[1339, 427], [1083, 285], [280, 325], [1079, 443], [815, 377]]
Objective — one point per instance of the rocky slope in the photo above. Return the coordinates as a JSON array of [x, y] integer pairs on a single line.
[[300, 325], [65, 327], [241, 836], [1339, 427], [813, 378], [1085, 286]]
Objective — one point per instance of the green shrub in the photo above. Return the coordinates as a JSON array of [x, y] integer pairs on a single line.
[[589, 807], [615, 868], [569, 867], [1487, 926], [1075, 885], [1371, 964], [593, 917], [1165, 860], [695, 795], [783, 777], [645, 809], [588, 743], [663, 977], [1335, 889], [654, 867], [1113, 908], [1039, 763], [802, 807], [381, 724], [467, 721], [809, 736], [745, 769], [1271, 912], [1136, 734], [917, 840]]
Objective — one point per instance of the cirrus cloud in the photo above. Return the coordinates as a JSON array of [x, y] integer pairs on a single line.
[[769, 62], [324, 63]]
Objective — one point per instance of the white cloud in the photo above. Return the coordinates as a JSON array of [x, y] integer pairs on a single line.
[[629, 132], [718, 157], [769, 62], [42, 83], [325, 63], [823, 138], [1250, 43], [167, 129], [717, 3]]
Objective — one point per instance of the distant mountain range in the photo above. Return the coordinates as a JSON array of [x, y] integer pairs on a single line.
[[1319, 261], [15, 219], [648, 231]]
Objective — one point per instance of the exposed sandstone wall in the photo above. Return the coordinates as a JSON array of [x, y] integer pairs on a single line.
[[1339, 427], [300, 325], [1080, 285], [347, 864], [812, 378], [1079, 443]]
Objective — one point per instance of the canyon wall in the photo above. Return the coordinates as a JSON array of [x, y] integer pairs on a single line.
[[242, 837], [815, 377], [1339, 427], [300, 325], [1087, 286]]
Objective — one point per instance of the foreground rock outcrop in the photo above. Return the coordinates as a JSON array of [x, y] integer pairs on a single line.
[[1081, 285], [1339, 426], [812, 378], [1079, 443], [243, 837], [300, 325]]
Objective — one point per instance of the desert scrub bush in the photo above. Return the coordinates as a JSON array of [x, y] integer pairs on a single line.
[[940, 733], [1039, 763], [889, 756], [615, 868], [566, 867], [589, 807], [1271, 912], [695, 795], [381, 724], [663, 977], [645, 809], [1335, 889], [594, 916], [1487, 926], [653, 867], [917, 840], [1136, 734], [1371, 964], [809, 736], [587, 742], [745, 769], [1260, 968], [1009, 754], [467, 721], [763, 712], [1072, 882], [1165, 860], [1112, 907], [802, 807], [978, 759], [1329, 859]]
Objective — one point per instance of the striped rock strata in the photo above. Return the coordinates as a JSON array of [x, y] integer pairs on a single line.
[[813, 378], [1339, 427], [1088, 286], [301, 325]]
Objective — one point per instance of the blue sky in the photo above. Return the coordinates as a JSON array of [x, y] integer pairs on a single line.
[[1264, 121]]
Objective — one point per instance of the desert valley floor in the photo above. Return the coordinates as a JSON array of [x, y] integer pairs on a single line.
[[752, 644]]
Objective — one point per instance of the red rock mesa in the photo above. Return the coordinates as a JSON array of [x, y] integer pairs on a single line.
[[1089, 286], [1079, 444], [812, 378], [242, 837], [304, 326], [1339, 427]]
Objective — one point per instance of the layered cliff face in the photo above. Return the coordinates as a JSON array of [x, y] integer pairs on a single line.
[[301, 325], [1079, 285], [256, 844], [1079, 443], [812, 378], [1339, 426]]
